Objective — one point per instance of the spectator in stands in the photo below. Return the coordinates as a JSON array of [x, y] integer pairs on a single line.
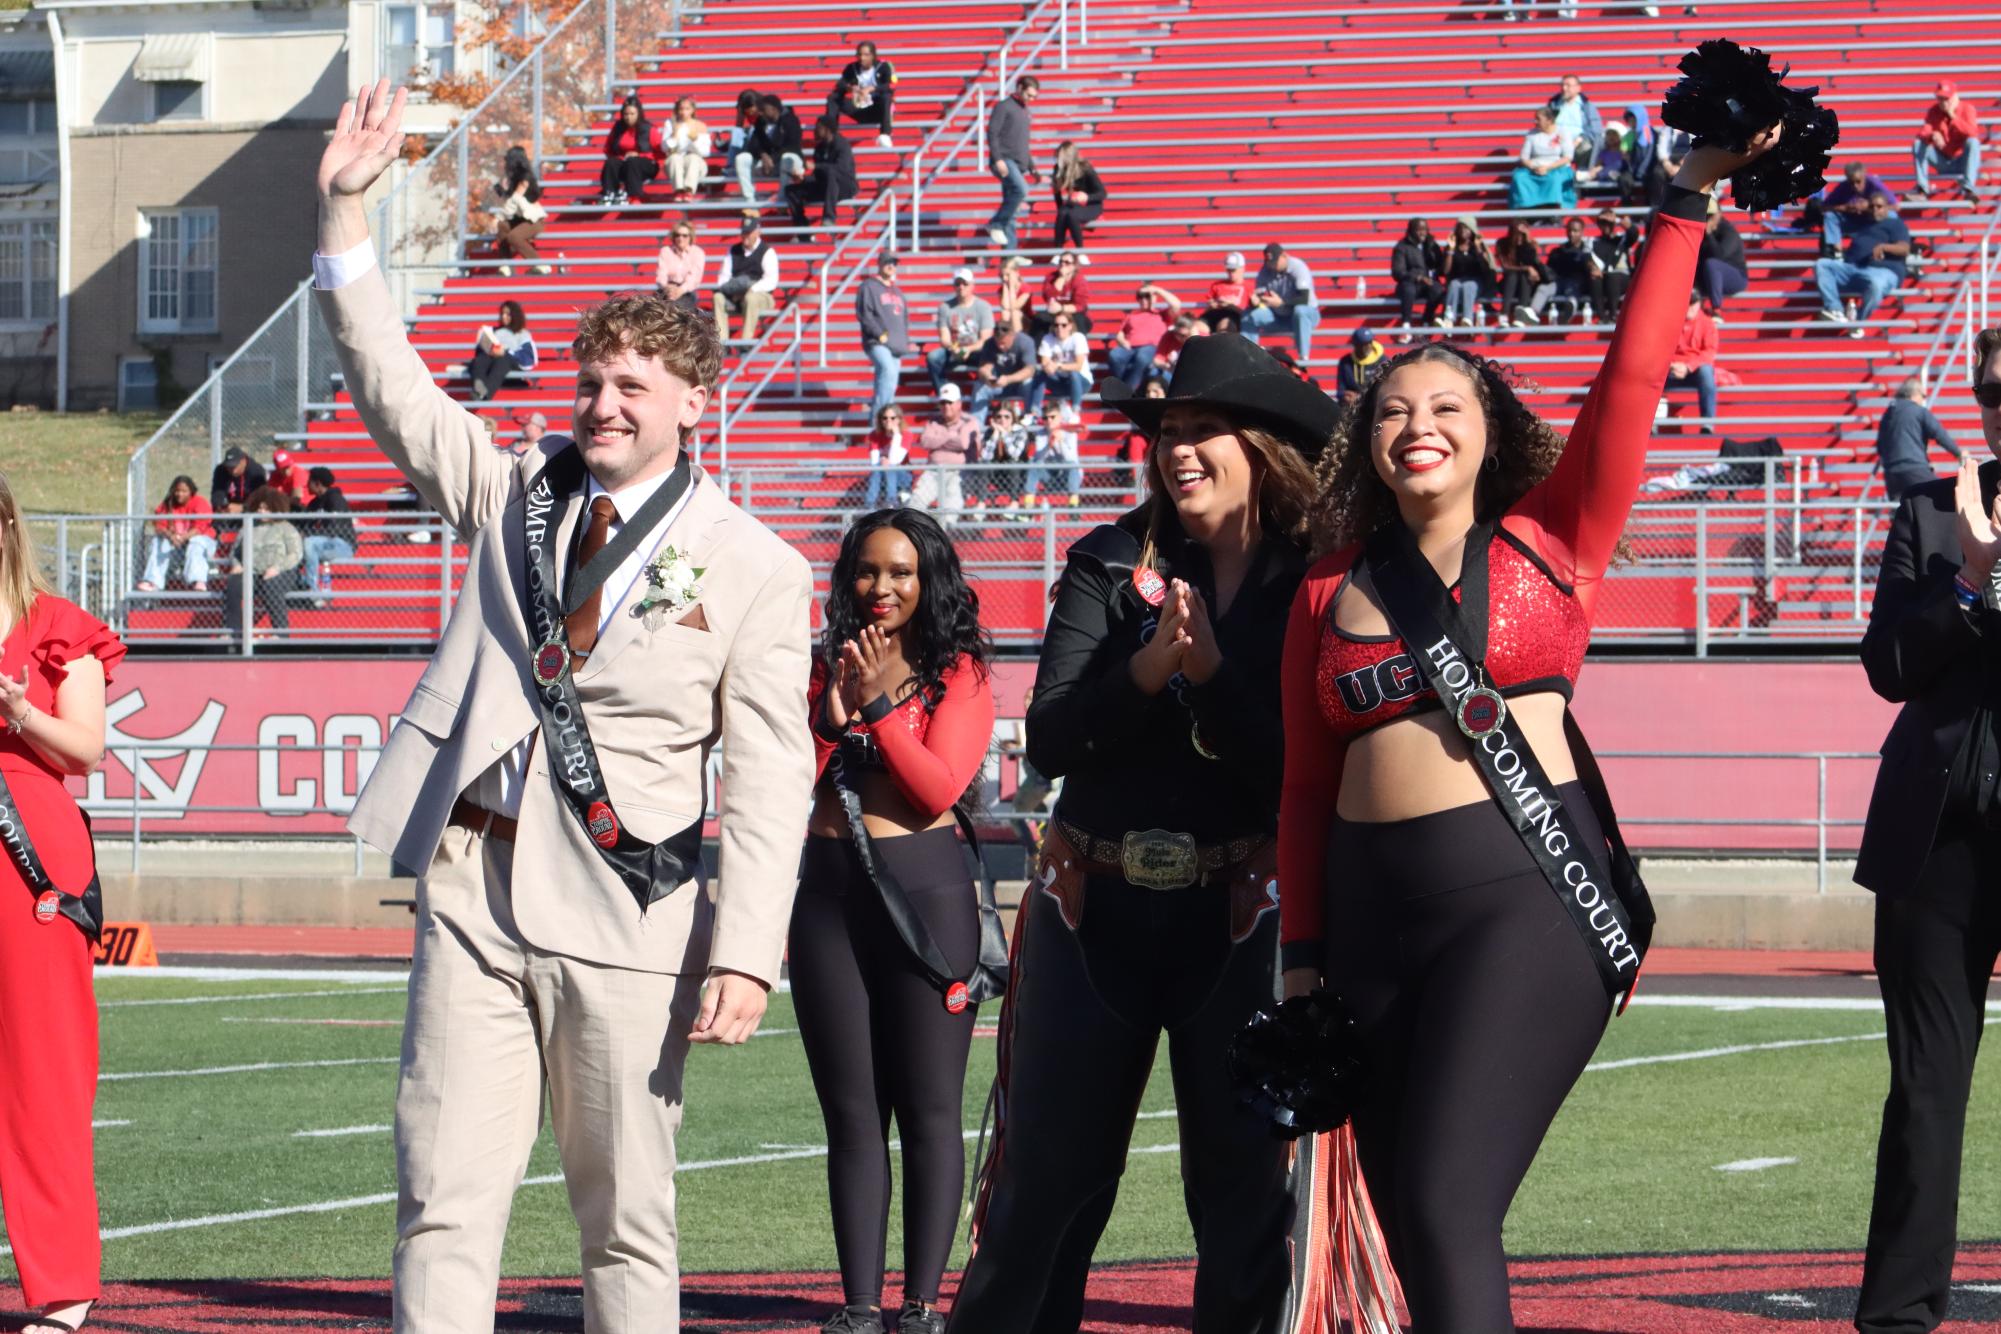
[[531, 430], [519, 215], [737, 137], [1469, 273], [1722, 271], [1284, 292], [1949, 141], [884, 318], [184, 527], [1168, 352], [1570, 268], [1065, 291], [1612, 263], [1008, 445], [1005, 367], [687, 144], [678, 272], [1129, 352], [325, 539], [775, 146], [1229, 296], [1843, 206], [1612, 172], [1362, 364], [1577, 120], [1417, 265], [628, 156], [831, 179], [965, 326], [866, 93], [1007, 151], [1013, 296], [1080, 196], [1138, 445], [1904, 436], [235, 478], [270, 559], [747, 282], [499, 350], [1872, 266], [1057, 453], [947, 440], [888, 448], [1544, 177], [1694, 361], [1523, 274], [1063, 364], [1670, 147], [288, 476]]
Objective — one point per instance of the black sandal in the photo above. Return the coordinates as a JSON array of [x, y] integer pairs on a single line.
[[63, 1324]]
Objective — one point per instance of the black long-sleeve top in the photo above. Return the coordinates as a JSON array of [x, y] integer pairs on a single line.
[[776, 138], [1727, 244], [1128, 760], [834, 157], [1416, 259], [1087, 181]]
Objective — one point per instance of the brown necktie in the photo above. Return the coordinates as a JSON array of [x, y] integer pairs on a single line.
[[581, 625]]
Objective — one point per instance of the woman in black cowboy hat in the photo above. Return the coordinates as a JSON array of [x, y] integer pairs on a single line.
[[1152, 906]]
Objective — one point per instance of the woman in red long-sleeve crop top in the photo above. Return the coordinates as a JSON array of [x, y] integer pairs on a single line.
[[902, 718], [1403, 884]]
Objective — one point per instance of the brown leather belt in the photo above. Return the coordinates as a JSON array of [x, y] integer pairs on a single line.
[[1158, 858], [480, 820]]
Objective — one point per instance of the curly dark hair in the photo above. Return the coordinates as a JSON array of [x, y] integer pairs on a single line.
[[1354, 501], [946, 625]]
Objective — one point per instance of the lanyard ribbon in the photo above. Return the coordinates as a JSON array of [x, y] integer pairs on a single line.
[[86, 909], [651, 871], [1608, 904]]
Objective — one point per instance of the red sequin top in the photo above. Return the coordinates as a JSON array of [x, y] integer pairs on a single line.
[[1546, 564], [932, 749]]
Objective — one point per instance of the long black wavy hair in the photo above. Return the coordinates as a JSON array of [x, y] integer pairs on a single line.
[[946, 625]]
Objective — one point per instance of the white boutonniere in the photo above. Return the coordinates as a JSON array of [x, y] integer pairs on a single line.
[[672, 585]]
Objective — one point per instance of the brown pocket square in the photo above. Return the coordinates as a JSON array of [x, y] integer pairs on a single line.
[[695, 620]]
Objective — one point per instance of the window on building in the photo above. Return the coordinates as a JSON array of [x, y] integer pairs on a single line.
[[28, 270], [177, 270], [177, 99], [138, 384], [418, 37]]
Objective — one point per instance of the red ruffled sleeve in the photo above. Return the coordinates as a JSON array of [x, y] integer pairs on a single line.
[[933, 773], [69, 633], [1314, 754]]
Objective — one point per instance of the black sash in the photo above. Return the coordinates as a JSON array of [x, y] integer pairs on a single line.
[[989, 975], [1448, 643], [87, 909], [651, 871]]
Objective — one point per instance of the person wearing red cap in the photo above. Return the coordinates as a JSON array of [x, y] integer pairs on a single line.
[[288, 476], [1950, 140]]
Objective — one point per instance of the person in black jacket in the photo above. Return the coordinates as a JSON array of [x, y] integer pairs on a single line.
[[628, 156], [1418, 265], [1080, 196], [233, 480], [866, 92], [326, 539], [831, 180], [1721, 271], [1156, 701], [774, 147], [1931, 851]]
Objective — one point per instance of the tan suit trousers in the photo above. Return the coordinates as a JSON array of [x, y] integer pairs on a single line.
[[491, 1020]]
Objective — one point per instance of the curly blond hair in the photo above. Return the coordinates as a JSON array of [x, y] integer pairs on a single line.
[[647, 323], [1354, 501]]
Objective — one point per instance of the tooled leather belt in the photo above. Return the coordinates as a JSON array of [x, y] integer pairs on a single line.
[[1158, 858]]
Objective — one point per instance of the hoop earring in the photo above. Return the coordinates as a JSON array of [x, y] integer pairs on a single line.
[[1492, 463]]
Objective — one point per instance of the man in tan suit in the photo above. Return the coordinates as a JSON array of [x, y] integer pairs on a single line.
[[562, 935]]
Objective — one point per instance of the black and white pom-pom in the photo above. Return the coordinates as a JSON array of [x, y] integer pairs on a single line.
[[1299, 1064], [1728, 95]]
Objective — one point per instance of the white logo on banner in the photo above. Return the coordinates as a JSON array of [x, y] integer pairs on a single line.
[[158, 795]]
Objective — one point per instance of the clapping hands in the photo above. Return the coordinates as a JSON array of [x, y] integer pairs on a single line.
[[1184, 641], [1979, 524]]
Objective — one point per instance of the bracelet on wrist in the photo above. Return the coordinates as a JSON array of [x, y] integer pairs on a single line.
[[1966, 591], [15, 726]]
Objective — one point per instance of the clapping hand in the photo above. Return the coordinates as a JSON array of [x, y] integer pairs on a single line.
[[1979, 524], [1203, 658], [1163, 655], [873, 664], [14, 705]]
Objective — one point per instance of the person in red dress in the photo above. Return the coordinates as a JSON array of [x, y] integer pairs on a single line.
[[54, 664]]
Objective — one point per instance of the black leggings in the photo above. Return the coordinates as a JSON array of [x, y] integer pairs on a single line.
[[1071, 220], [879, 1040], [1479, 1006], [629, 174], [1412, 290]]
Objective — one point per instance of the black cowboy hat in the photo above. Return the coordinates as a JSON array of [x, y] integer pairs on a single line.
[[1231, 372]]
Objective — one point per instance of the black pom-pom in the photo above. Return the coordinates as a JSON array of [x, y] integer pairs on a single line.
[[1728, 95], [1299, 1064]]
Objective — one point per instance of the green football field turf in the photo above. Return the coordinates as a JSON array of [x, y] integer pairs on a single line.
[[1630, 1166]]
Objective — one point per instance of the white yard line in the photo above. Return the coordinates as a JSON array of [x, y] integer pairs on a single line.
[[166, 972], [1732, 1004], [254, 1068], [103, 1125], [1709, 1053], [343, 1130], [1754, 1164], [312, 1023], [252, 996]]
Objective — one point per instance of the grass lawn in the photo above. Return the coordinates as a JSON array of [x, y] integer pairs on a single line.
[[71, 462], [200, 1145]]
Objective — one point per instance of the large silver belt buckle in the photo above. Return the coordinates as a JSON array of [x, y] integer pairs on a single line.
[[1158, 859]]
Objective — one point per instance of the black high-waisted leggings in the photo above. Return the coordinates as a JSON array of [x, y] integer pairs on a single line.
[[1479, 1007], [879, 1041]]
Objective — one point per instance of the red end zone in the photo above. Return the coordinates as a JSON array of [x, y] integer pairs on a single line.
[[1785, 1293]]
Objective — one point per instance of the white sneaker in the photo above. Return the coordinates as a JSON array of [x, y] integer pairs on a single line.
[[504, 270], [882, 141], [1831, 316], [997, 236], [1083, 260], [544, 270]]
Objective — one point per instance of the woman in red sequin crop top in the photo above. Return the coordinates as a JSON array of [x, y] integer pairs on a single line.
[[1403, 884], [902, 716]]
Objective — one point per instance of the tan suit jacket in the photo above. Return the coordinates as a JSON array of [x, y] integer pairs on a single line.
[[657, 701]]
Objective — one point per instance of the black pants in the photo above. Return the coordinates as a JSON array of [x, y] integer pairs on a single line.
[[629, 174], [880, 1043], [1518, 289], [817, 188], [1607, 291], [1086, 1011], [1479, 1006], [269, 596], [488, 372], [879, 113], [1935, 953], [1071, 220], [1410, 290], [1223, 319]]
